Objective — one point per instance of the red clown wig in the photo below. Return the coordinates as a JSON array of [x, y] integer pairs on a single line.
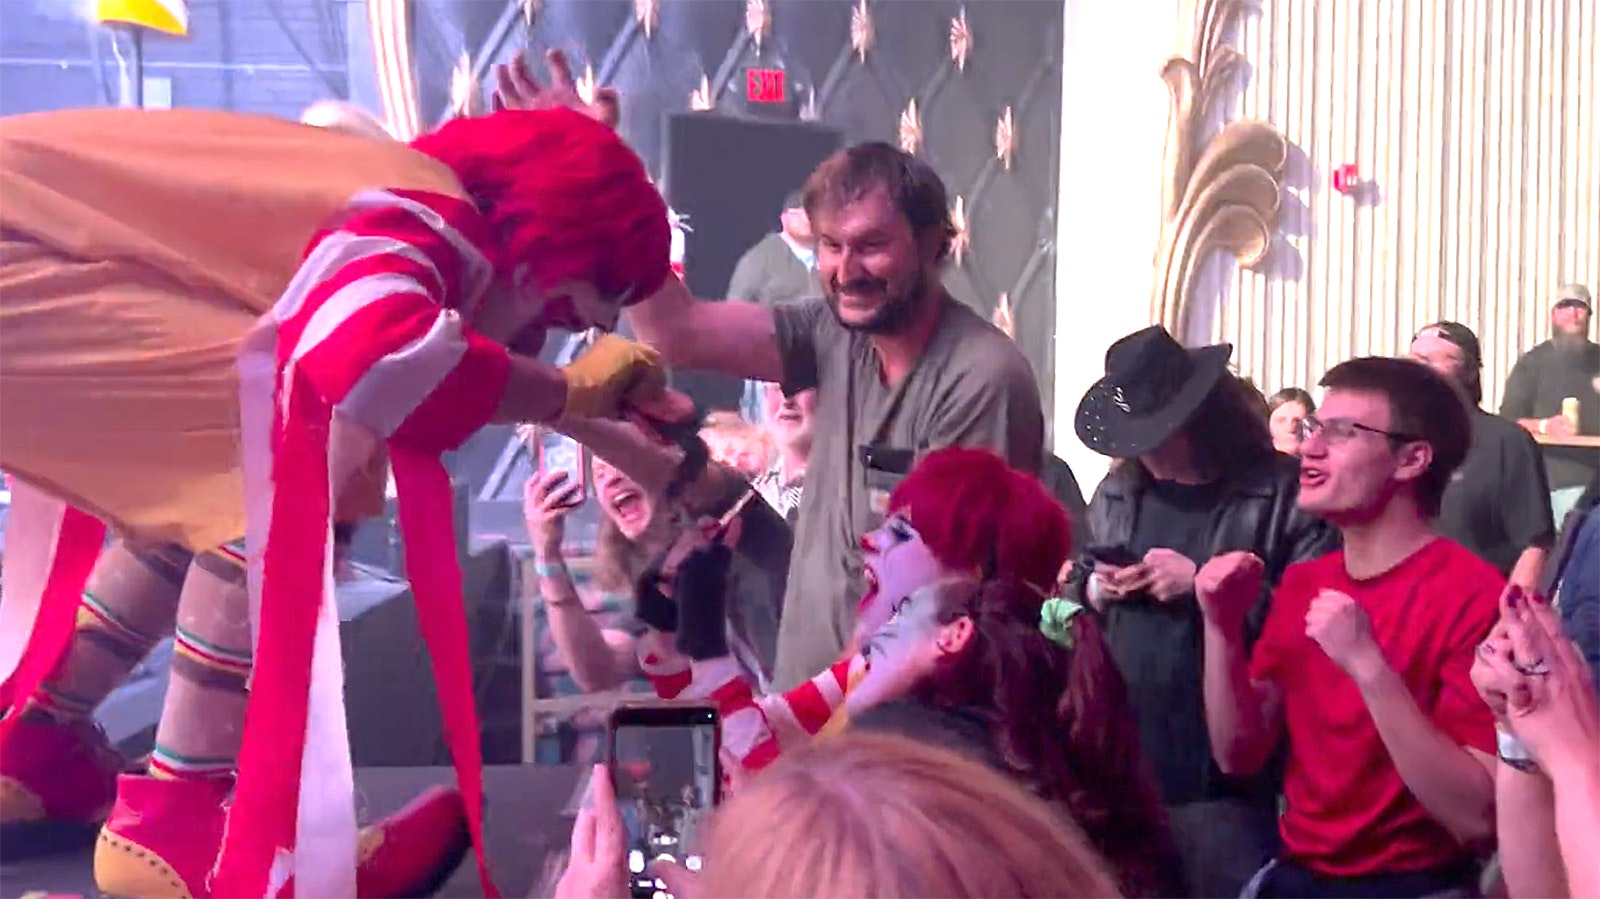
[[976, 512], [563, 195]]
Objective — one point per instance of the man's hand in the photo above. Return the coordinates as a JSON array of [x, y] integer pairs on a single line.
[[516, 88], [1227, 586], [1339, 625], [612, 373]]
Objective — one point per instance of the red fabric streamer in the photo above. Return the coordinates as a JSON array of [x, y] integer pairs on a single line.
[[426, 515], [78, 546], [266, 800]]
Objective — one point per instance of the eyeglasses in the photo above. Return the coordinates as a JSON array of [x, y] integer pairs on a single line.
[[1339, 430]]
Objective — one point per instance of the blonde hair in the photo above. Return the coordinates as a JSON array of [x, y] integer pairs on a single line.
[[346, 118], [878, 815], [726, 433]]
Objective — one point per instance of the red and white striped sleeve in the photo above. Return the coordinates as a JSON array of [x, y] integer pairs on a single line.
[[755, 727], [376, 319]]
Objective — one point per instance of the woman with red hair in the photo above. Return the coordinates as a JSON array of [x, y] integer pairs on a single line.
[[240, 312], [1022, 680]]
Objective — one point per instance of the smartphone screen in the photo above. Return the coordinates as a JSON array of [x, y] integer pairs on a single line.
[[663, 761], [558, 452]]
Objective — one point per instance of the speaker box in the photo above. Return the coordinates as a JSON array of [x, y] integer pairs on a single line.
[[729, 177]]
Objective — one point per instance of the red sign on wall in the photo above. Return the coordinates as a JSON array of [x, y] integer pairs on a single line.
[[764, 85]]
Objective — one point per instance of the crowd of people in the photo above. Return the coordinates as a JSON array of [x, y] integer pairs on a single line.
[[1293, 647]]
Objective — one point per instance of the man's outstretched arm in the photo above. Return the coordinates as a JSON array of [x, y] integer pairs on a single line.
[[730, 337]]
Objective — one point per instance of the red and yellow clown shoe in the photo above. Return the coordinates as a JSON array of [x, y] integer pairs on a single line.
[[57, 782], [163, 838]]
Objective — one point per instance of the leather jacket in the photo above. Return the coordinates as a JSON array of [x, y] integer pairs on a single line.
[[1258, 512], [1158, 646]]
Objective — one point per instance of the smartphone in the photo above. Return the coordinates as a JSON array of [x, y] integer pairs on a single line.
[[1117, 556], [558, 452], [663, 762]]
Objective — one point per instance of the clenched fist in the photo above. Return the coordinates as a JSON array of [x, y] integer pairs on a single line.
[[1339, 625], [1227, 586]]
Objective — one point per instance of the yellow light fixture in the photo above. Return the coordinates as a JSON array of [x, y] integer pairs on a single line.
[[165, 16]]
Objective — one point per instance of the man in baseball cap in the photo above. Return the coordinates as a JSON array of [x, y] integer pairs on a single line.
[[1558, 372], [1498, 503]]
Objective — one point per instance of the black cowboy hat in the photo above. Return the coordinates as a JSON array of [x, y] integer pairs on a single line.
[[1152, 387]]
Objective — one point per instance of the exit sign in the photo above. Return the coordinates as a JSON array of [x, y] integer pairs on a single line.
[[764, 86]]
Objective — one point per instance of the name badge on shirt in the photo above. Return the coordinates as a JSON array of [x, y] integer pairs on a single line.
[[885, 467]]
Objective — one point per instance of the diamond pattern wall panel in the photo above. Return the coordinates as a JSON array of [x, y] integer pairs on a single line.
[[1011, 60]]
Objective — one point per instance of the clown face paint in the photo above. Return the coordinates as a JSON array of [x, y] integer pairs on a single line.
[[903, 651], [896, 563]]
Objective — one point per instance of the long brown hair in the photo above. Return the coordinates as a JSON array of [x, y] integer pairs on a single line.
[[876, 815], [1059, 719]]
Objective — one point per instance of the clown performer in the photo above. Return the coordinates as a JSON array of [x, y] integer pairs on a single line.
[[209, 324], [960, 642]]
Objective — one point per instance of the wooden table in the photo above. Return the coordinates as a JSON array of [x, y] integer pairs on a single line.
[[1584, 441], [525, 828]]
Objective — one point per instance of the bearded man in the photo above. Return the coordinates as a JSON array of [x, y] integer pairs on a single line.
[[899, 366]]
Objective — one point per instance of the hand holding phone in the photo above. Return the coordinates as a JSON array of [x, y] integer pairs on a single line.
[[664, 762], [558, 452], [599, 845]]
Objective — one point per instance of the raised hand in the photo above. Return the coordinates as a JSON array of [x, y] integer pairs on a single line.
[[1554, 712], [1227, 586], [546, 499], [1340, 626], [516, 88]]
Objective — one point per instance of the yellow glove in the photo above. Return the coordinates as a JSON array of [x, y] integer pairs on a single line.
[[610, 372]]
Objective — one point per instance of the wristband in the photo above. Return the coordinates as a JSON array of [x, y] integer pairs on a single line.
[[548, 569], [1513, 753]]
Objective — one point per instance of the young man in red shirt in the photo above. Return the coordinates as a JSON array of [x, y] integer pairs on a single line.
[[1362, 667]]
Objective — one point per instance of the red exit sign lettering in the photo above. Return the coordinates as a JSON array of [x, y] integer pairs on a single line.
[[764, 85]]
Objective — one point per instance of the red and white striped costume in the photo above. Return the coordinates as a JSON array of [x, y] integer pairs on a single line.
[[373, 330], [756, 727]]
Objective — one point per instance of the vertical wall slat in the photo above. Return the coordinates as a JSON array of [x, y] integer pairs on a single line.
[[1476, 119]]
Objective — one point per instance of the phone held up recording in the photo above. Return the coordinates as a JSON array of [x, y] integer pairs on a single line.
[[663, 760], [558, 452]]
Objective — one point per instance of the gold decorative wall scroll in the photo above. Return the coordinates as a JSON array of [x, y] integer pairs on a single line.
[[862, 32], [1219, 192], [1005, 139], [960, 40], [700, 99], [911, 128], [1002, 317], [466, 99], [389, 24], [648, 14], [961, 240], [757, 20]]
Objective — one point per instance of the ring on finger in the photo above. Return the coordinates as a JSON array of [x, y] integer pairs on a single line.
[[1534, 670]]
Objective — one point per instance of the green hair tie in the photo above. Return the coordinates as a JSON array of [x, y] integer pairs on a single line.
[[1055, 620]]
